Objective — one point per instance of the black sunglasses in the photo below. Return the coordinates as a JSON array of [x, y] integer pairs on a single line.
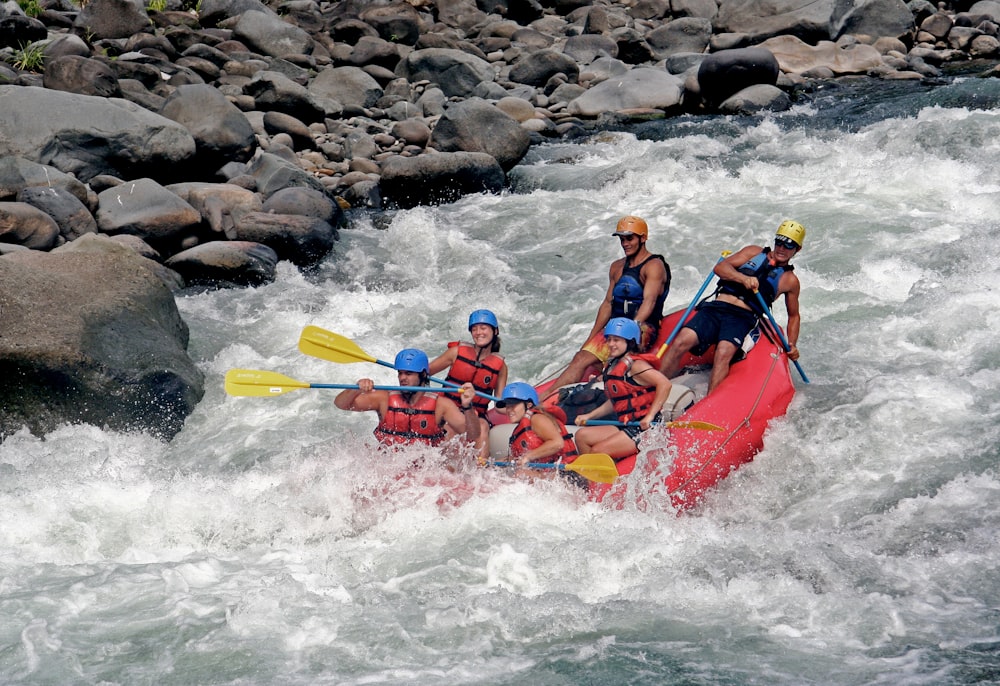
[[786, 243]]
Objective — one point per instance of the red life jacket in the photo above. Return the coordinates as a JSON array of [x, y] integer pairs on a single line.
[[406, 424], [523, 439], [630, 400], [483, 374]]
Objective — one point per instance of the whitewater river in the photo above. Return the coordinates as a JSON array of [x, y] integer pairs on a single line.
[[268, 544]]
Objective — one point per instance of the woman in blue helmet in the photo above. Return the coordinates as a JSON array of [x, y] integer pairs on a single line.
[[538, 436], [636, 392], [420, 417], [477, 362]]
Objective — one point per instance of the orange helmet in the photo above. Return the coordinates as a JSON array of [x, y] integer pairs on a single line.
[[630, 225]]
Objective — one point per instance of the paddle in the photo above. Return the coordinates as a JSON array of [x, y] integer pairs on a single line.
[[781, 336], [704, 426], [597, 467], [259, 383], [694, 301], [333, 347]]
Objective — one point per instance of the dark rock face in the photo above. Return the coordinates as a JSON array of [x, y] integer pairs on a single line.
[[80, 347], [301, 240], [727, 72], [477, 126], [72, 216], [58, 129], [226, 264], [427, 179], [221, 131], [76, 74]]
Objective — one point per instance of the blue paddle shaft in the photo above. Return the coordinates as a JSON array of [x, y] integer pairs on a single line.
[[781, 336], [531, 465], [354, 387], [443, 382]]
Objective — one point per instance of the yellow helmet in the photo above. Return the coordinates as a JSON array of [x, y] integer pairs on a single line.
[[792, 230], [631, 225]]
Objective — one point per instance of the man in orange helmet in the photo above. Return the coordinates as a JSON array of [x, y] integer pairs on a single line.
[[638, 284]]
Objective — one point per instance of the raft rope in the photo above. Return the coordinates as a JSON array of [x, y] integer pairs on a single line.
[[745, 423]]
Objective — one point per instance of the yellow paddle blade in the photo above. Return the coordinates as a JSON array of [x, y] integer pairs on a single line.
[[705, 426], [597, 467], [255, 382], [331, 346]]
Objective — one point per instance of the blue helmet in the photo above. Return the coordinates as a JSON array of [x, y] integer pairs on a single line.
[[623, 328], [412, 360], [518, 391], [483, 317]]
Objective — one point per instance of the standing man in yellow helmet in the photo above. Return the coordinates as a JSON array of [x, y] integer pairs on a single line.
[[734, 313], [638, 284]]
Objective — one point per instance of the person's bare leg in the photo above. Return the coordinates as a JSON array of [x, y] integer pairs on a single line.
[[574, 370], [618, 445], [685, 340], [724, 353], [587, 437], [483, 444]]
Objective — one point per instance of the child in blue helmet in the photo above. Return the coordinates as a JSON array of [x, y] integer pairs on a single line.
[[636, 392]]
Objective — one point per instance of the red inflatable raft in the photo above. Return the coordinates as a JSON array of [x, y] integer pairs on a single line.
[[690, 461]]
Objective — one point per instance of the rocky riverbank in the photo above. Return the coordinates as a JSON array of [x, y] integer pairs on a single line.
[[201, 145]]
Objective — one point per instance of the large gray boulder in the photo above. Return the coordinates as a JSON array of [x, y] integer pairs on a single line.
[[226, 264], [112, 245], [268, 34], [726, 72], [86, 135], [475, 125], [536, 68], [808, 20], [638, 89], [111, 18], [756, 98], [17, 173], [687, 34], [306, 202], [455, 72], [92, 338], [398, 22], [795, 57], [439, 177], [146, 209], [222, 133], [346, 85], [211, 12], [273, 173], [990, 8], [71, 215], [302, 240], [878, 18], [272, 90]]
